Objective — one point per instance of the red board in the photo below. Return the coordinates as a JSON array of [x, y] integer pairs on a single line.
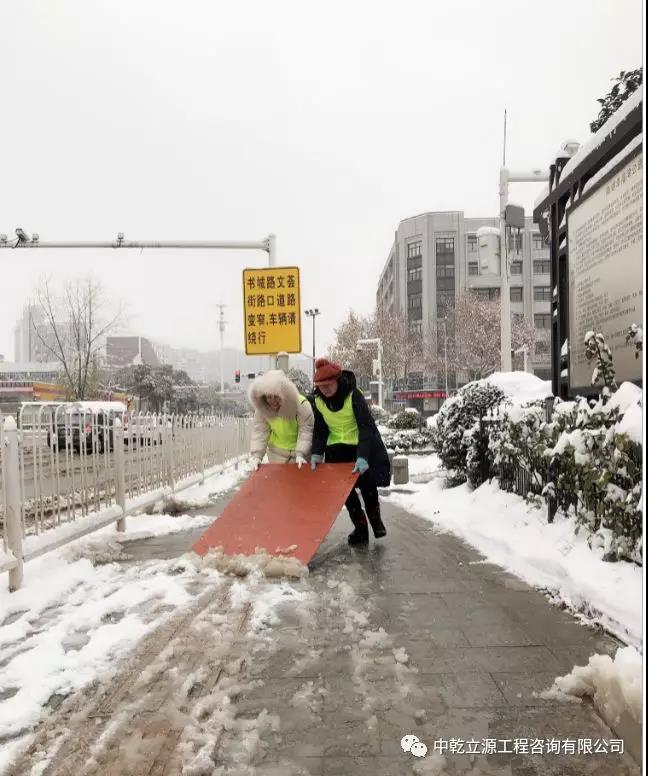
[[279, 507]]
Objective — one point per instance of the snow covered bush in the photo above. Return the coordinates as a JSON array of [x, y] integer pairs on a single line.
[[406, 441], [598, 351], [635, 335], [521, 439], [405, 419], [588, 459], [380, 415], [595, 471], [460, 436]]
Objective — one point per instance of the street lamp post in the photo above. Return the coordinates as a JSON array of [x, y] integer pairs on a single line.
[[377, 342], [445, 353], [221, 329], [313, 314]]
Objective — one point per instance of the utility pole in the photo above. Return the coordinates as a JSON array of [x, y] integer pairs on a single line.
[[506, 177], [221, 329], [313, 314], [377, 341]]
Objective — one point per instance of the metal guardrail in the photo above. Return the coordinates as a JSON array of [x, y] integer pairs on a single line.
[[66, 466]]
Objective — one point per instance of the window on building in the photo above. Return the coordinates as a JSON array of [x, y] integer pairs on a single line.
[[488, 294], [473, 268], [516, 268], [415, 274], [542, 320], [414, 262], [414, 249], [445, 245], [538, 242], [542, 294], [416, 327], [515, 241], [516, 294], [473, 243], [541, 267], [542, 347], [445, 284], [445, 271], [414, 301]]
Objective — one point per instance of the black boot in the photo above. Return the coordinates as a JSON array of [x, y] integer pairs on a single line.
[[360, 533], [377, 525]]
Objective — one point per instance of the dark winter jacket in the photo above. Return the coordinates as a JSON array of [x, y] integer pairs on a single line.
[[370, 444]]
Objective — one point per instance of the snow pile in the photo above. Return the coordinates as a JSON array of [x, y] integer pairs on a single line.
[[198, 496], [615, 686], [270, 566], [70, 622], [550, 556]]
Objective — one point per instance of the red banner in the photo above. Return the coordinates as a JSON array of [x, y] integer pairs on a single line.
[[402, 395]]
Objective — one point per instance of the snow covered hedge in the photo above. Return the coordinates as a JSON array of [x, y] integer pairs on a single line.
[[407, 441], [588, 459], [406, 419]]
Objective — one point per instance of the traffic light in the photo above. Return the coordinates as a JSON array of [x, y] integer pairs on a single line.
[[237, 376]]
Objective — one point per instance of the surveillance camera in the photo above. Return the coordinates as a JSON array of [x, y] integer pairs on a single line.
[[22, 235]]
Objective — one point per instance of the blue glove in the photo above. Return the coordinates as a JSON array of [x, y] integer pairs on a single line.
[[315, 459], [361, 466]]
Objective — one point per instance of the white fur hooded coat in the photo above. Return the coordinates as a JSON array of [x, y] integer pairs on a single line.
[[275, 383]]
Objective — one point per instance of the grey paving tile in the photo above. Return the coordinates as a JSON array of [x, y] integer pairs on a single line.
[[490, 659], [524, 689]]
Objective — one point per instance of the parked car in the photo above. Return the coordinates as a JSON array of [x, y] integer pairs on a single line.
[[85, 425], [142, 430]]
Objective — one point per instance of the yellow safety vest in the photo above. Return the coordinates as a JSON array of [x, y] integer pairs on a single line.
[[342, 425], [284, 432]]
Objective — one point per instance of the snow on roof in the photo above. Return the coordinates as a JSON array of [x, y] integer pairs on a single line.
[[96, 406], [635, 143], [488, 230], [607, 130]]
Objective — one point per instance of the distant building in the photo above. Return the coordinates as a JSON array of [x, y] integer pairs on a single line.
[[434, 258], [34, 339], [122, 351], [41, 371]]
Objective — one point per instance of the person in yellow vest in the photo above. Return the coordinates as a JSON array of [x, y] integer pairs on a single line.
[[345, 431], [283, 420]]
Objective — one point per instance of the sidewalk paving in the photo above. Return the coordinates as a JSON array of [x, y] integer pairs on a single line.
[[412, 635]]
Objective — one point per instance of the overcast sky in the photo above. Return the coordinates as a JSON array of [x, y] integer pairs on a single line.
[[326, 123]]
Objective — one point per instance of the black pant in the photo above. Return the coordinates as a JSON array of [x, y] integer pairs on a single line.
[[365, 483]]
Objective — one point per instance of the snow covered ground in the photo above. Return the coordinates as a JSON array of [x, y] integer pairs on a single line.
[[78, 613], [515, 535]]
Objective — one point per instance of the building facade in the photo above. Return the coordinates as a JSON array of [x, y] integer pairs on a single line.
[[124, 351], [34, 339], [435, 258]]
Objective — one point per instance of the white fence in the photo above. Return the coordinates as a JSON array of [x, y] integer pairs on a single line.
[[64, 474]]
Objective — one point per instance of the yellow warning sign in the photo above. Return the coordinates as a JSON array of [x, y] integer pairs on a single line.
[[272, 310]]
